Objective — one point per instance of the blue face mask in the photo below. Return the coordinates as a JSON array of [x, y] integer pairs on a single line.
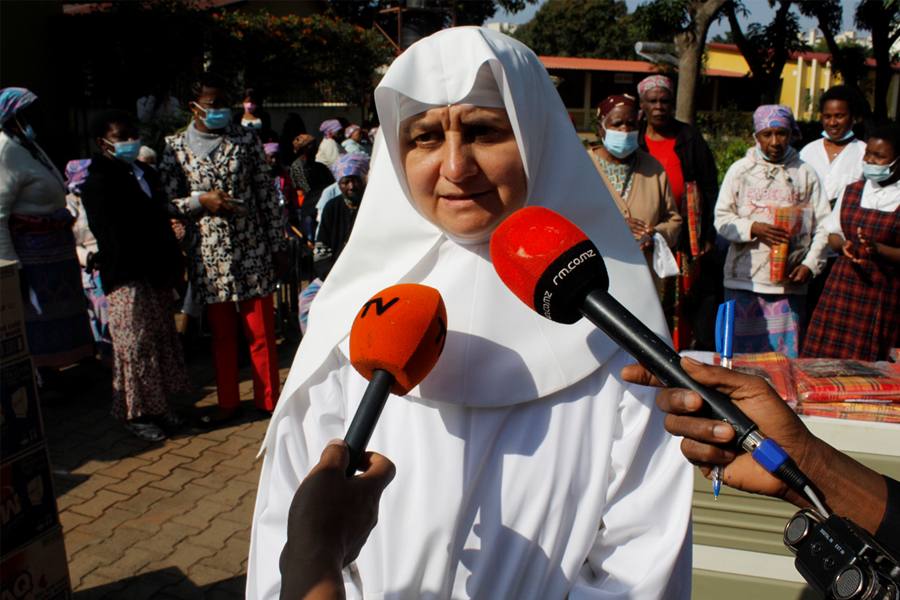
[[878, 173], [127, 152], [216, 118], [620, 143], [847, 136]]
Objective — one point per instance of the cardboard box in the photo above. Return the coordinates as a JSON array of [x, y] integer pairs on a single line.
[[27, 503], [13, 343], [20, 413], [38, 571]]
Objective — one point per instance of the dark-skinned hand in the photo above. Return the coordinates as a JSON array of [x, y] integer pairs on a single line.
[[770, 234]]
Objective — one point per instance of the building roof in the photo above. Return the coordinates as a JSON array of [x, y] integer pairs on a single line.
[[822, 57], [80, 8], [618, 66]]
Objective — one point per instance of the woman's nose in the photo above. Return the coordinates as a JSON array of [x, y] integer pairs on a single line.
[[459, 162]]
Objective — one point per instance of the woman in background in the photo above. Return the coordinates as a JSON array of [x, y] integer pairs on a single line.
[[86, 247], [36, 230], [859, 313], [769, 315]]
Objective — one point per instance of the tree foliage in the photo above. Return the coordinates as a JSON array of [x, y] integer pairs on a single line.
[[846, 61], [766, 48], [581, 28], [882, 19]]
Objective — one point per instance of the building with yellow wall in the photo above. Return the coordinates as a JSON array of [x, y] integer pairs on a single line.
[[805, 76]]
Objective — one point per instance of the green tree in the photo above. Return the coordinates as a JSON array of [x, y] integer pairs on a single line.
[[766, 48], [687, 23], [582, 28], [845, 60]]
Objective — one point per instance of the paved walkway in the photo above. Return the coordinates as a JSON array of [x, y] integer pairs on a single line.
[[167, 520]]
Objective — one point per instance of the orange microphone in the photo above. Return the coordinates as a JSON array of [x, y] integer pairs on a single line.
[[395, 341]]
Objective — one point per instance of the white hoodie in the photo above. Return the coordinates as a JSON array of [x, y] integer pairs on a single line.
[[751, 191]]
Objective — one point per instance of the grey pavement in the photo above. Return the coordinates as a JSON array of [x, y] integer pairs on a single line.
[[167, 520]]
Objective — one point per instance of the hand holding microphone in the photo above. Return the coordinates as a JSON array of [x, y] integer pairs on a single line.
[[551, 265], [395, 341]]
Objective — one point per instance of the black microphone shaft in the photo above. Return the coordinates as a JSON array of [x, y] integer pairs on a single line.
[[650, 350], [366, 416]]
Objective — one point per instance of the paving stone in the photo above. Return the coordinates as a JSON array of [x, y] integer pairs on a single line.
[[132, 484], [148, 586], [235, 585], [90, 467], [242, 514], [201, 574], [201, 516], [176, 480], [89, 488], [66, 500], [216, 536], [69, 520], [185, 556], [78, 540], [165, 464], [82, 564], [206, 461], [220, 476], [106, 525], [142, 501], [194, 447], [131, 561], [229, 557], [169, 535], [122, 468], [97, 587], [232, 493], [102, 500]]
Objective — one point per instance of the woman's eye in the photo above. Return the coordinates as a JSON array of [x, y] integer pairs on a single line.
[[427, 137]]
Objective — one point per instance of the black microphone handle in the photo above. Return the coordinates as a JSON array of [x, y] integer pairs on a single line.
[[650, 350], [366, 416]]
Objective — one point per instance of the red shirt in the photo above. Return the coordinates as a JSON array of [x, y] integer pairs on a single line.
[[664, 152]]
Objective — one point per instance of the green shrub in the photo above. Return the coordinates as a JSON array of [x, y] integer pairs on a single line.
[[727, 152]]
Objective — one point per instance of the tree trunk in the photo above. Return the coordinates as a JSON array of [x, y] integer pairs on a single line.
[[881, 49], [690, 45]]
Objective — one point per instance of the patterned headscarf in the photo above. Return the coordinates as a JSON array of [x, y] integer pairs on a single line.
[[272, 147], [351, 130], [303, 140], [350, 164], [76, 173], [372, 132], [776, 115], [608, 104], [330, 127], [655, 81], [13, 99]]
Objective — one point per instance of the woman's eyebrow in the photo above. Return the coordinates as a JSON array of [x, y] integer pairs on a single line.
[[419, 125]]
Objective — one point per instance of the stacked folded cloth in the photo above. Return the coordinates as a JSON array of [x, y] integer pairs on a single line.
[[841, 389]]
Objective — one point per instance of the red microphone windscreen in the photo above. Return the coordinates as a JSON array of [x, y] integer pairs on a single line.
[[401, 330], [547, 262]]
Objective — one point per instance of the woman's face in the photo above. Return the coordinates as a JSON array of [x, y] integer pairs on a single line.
[[837, 118], [658, 106], [621, 118], [463, 167], [880, 152], [774, 142]]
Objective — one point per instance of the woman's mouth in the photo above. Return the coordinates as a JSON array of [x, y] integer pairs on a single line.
[[460, 198]]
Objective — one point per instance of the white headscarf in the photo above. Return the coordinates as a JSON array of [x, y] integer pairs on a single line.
[[498, 351]]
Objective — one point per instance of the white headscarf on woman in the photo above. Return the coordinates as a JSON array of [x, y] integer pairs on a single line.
[[479, 411]]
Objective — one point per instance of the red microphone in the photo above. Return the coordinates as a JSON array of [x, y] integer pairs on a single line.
[[395, 341]]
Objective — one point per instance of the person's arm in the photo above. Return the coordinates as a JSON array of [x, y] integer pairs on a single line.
[[877, 251], [849, 488], [816, 255], [330, 519], [182, 201], [271, 213], [708, 185], [727, 222], [9, 192], [323, 254]]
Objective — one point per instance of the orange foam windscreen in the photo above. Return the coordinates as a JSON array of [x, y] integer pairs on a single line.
[[401, 330], [547, 262]]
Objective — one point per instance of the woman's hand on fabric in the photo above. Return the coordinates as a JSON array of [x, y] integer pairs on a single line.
[[867, 246], [877, 251], [800, 274], [640, 230], [217, 202], [282, 265], [708, 442], [770, 234]]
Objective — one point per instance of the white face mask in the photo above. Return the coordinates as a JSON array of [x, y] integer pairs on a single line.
[[878, 173], [620, 143]]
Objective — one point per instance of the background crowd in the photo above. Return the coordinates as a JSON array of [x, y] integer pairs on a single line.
[[803, 235]]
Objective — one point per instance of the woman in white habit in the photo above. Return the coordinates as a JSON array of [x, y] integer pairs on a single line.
[[526, 467]]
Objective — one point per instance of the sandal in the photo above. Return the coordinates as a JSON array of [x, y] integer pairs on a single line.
[[149, 432], [172, 419]]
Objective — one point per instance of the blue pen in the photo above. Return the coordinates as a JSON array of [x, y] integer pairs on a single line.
[[725, 348]]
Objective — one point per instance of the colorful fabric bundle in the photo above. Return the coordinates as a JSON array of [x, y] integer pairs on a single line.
[[835, 380], [774, 367], [881, 412], [785, 257], [693, 209]]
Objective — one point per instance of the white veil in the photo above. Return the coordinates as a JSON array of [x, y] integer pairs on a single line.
[[498, 351]]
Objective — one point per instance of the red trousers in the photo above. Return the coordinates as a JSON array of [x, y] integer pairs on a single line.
[[258, 319]]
